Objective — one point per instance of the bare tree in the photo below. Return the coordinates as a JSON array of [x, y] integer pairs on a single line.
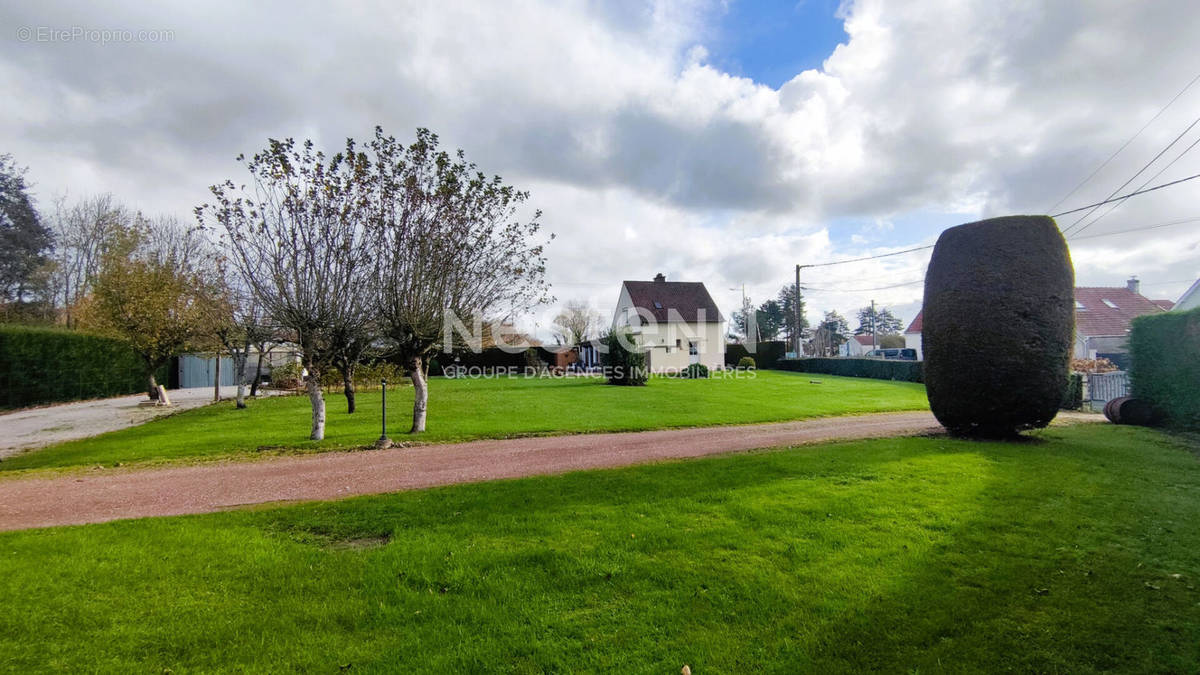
[[238, 326], [83, 231], [297, 238], [575, 323], [451, 246], [153, 291]]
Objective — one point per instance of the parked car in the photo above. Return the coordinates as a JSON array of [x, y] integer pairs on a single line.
[[898, 354]]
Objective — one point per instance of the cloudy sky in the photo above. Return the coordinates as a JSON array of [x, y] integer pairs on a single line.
[[716, 142]]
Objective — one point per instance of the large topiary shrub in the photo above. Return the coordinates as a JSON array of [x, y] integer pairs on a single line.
[[623, 366], [695, 371], [746, 362], [998, 325], [1165, 365]]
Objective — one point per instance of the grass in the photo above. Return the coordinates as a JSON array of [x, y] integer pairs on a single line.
[[1076, 552], [466, 409]]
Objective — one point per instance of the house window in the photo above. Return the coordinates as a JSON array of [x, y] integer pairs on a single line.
[[678, 344], [657, 305], [693, 348], [1108, 302], [1079, 306]]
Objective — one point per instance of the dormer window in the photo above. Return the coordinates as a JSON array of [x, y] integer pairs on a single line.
[[1108, 302], [1079, 306], [657, 305]]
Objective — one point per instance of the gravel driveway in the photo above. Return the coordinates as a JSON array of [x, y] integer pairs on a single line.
[[38, 427], [112, 494]]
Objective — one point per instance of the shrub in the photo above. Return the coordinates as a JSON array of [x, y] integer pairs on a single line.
[[1073, 395], [998, 325], [1165, 365], [695, 371], [746, 362], [879, 369], [622, 366], [287, 376], [48, 365]]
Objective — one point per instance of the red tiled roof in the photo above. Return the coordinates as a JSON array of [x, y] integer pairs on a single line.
[[915, 326], [685, 297], [1096, 317]]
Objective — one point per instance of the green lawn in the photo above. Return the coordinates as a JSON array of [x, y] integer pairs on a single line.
[[485, 408], [1077, 552]]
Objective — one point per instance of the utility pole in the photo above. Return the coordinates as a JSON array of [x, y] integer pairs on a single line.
[[796, 312], [874, 344]]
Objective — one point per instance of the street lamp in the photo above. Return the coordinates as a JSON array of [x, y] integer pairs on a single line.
[[384, 441]]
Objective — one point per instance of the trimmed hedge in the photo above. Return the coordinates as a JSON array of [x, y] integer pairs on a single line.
[[766, 354], [1165, 367], [879, 369], [47, 365], [1073, 396], [1008, 376], [694, 371]]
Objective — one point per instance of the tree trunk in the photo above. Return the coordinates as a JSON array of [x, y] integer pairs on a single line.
[[348, 386], [239, 375], [217, 378], [152, 385], [317, 398], [420, 394], [257, 375]]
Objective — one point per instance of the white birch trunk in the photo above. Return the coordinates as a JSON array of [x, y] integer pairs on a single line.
[[317, 398], [420, 395]]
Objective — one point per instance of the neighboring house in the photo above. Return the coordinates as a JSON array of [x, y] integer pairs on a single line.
[[912, 336], [857, 345], [1102, 319], [1103, 316], [675, 322], [1190, 298]]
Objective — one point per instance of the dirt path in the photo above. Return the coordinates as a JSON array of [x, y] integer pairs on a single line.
[[30, 428], [113, 495]]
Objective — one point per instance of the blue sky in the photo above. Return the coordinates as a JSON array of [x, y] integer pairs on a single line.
[[770, 41]]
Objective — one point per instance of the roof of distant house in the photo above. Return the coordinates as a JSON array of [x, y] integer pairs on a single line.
[[1103, 311], [1187, 295], [674, 300], [915, 326], [864, 340], [1165, 304]]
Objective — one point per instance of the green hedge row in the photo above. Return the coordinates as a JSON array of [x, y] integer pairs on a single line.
[[1073, 396], [1164, 350], [47, 365], [766, 354], [879, 369]]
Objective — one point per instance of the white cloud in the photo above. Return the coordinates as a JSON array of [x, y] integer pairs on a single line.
[[645, 156]]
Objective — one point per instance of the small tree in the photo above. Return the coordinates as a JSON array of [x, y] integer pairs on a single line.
[[451, 247], [152, 293], [298, 240], [831, 334], [237, 326], [575, 323], [624, 362]]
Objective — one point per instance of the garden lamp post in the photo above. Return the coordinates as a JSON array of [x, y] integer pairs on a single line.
[[384, 441]]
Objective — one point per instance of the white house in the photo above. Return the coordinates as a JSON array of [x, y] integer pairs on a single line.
[[858, 345], [675, 322], [912, 336], [1190, 298]]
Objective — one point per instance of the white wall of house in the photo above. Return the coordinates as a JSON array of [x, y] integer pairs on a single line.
[[669, 345], [913, 341], [1190, 298], [1087, 347]]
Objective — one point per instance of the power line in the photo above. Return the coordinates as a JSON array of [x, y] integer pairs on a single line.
[[1131, 194], [861, 290], [1131, 139], [869, 257], [1134, 176], [1139, 229], [1149, 180]]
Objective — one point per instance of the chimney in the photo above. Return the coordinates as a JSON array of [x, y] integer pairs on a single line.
[[659, 277], [1134, 285]]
